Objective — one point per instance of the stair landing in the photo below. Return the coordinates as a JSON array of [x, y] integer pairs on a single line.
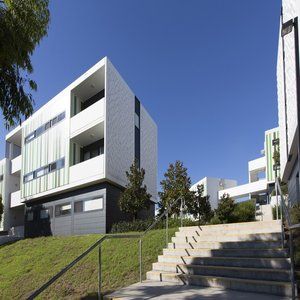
[[155, 290]]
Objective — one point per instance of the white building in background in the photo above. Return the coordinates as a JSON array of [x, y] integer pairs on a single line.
[[262, 172], [212, 186], [288, 90], [65, 166]]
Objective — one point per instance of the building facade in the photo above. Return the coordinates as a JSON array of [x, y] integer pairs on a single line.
[[288, 91], [65, 166], [212, 186], [262, 172]]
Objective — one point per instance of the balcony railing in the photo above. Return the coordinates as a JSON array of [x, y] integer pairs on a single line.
[[16, 164], [89, 169], [15, 199], [87, 118]]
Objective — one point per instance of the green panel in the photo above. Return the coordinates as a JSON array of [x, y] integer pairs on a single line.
[[52, 145]]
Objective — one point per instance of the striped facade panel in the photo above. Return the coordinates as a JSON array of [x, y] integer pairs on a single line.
[[270, 149], [2, 173], [50, 146]]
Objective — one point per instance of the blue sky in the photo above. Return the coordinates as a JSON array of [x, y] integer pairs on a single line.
[[204, 69]]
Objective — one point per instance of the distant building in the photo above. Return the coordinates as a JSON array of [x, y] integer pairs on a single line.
[[262, 172], [212, 186]]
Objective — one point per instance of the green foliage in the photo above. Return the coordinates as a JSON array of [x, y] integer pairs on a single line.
[[142, 225], [200, 207], [244, 211], [274, 212], [22, 26], [176, 185], [295, 214], [215, 220], [225, 209], [1, 208], [135, 197]]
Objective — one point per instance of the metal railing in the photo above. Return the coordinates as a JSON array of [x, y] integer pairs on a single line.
[[99, 244], [285, 216]]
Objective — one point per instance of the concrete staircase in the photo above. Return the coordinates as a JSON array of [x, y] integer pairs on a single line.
[[240, 256]]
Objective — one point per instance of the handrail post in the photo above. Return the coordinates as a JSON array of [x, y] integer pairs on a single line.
[[99, 273], [140, 258], [167, 228], [276, 193]]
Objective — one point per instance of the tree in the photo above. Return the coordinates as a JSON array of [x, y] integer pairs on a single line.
[[225, 209], [176, 185], [135, 197], [1, 208], [22, 26], [200, 207]]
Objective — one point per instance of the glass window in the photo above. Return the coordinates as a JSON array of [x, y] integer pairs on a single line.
[[52, 167], [60, 163], [47, 125], [78, 206], [63, 209], [39, 131], [1, 177], [30, 216], [93, 204], [61, 116], [28, 177], [41, 172], [54, 121], [86, 155], [30, 137], [46, 213], [136, 120]]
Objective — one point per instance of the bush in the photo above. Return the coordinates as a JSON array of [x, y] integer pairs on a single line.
[[225, 209], [142, 225], [215, 220], [244, 211]]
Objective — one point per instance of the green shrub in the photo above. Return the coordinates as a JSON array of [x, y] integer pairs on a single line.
[[215, 220], [142, 225], [244, 211]]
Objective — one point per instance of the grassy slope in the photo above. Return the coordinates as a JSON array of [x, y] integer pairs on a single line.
[[27, 264]]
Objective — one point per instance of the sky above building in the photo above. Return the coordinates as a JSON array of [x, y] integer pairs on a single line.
[[204, 69]]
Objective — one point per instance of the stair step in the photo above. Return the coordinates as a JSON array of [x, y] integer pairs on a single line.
[[256, 225], [249, 285], [243, 262], [228, 238], [227, 245], [228, 252], [234, 272], [198, 232]]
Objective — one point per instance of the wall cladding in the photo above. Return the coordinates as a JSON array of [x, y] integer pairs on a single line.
[[119, 137], [149, 152], [47, 148]]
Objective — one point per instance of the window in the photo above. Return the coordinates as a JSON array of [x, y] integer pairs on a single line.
[[136, 120], [30, 137], [1, 177], [63, 209], [52, 167], [46, 213], [275, 142], [88, 205], [40, 130], [28, 177], [41, 172], [30, 216], [60, 163]]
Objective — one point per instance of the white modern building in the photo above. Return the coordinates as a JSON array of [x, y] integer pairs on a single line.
[[262, 172], [65, 166], [288, 91], [212, 186]]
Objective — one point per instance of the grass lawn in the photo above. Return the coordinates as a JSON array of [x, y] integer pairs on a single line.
[[27, 264]]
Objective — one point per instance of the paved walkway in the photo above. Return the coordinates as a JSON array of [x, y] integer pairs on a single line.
[[164, 291]]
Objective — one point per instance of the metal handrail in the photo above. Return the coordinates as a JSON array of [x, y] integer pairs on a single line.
[[99, 243], [290, 229]]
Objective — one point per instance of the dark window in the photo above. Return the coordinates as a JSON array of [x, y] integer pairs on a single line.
[[41, 172], [52, 167], [46, 213], [61, 116], [60, 163], [78, 206], [30, 216], [47, 125], [63, 209], [28, 177], [39, 131], [1, 177], [54, 121], [92, 100]]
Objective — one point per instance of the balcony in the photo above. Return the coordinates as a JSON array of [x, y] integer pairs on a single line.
[[88, 170], [15, 199], [87, 118], [16, 165]]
